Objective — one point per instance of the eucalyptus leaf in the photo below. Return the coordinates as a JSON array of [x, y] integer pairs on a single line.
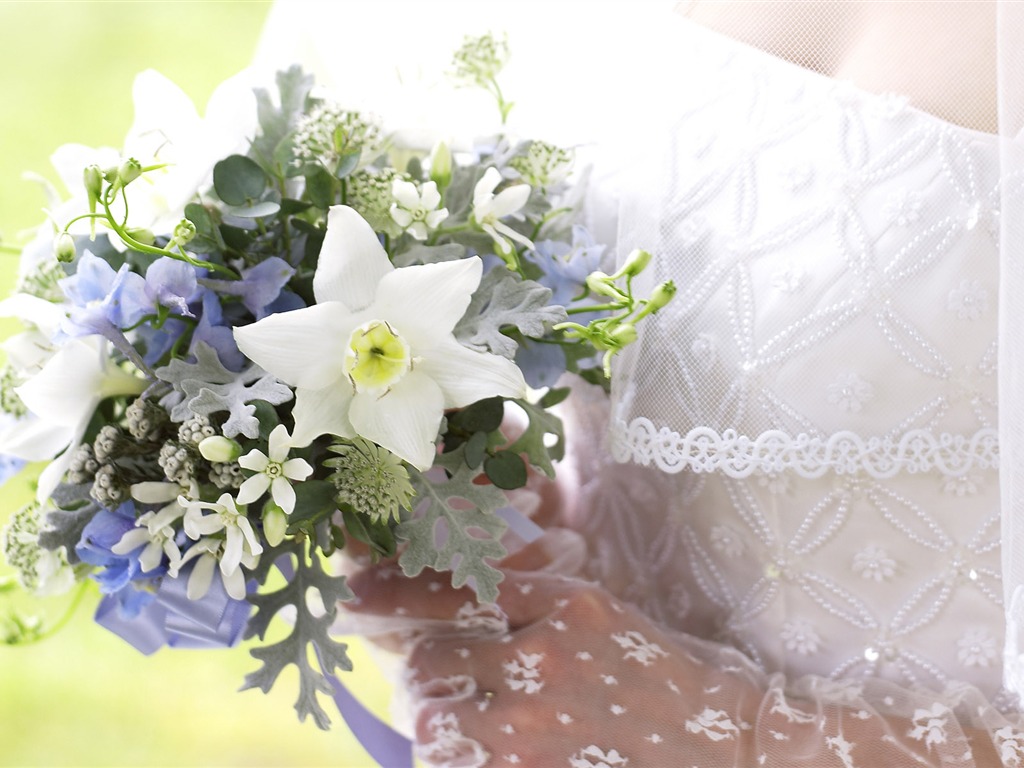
[[507, 470], [476, 450], [319, 187], [347, 163], [254, 211], [239, 180]]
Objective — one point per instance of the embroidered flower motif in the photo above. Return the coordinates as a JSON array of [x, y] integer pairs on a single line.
[[776, 482], [903, 207], [595, 757], [976, 648], [841, 747], [725, 540], [639, 648], [962, 485], [930, 725], [850, 392], [969, 300], [874, 564], [1010, 743], [789, 278], [522, 673], [800, 637], [713, 723], [798, 176]]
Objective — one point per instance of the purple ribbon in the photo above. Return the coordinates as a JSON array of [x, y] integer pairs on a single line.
[[215, 621]]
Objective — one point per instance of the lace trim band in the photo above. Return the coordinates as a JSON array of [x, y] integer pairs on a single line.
[[706, 450]]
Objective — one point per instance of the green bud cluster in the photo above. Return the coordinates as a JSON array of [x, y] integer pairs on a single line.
[[330, 132], [146, 420], [109, 487], [84, 466], [184, 232], [369, 192], [543, 165], [43, 281], [21, 545], [480, 59], [177, 461], [195, 429], [9, 400], [370, 479], [226, 475]]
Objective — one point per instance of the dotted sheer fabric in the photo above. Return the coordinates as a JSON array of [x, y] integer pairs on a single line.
[[790, 534]]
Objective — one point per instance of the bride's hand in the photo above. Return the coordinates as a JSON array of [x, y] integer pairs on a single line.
[[557, 673]]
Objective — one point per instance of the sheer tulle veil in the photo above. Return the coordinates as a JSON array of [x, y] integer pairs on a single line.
[[605, 77]]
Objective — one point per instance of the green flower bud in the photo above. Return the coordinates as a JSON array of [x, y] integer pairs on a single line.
[[662, 295], [635, 264], [441, 165], [129, 171], [184, 231], [64, 248], [622, 336], [142, 235], [92, 177], [220, 449], [602, 284], [275, 523]]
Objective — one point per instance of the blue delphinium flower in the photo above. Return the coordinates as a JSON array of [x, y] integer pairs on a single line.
[[121, 574], [259, 287], [103, 301], [213, 331], [171, 283]]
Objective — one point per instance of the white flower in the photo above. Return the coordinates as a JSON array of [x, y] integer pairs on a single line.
[[874, 564], [273, 472], [63, 386], [903, 207], [800, 637], [488, 208], [154, 531], [417, 211], [976, 648], [726, 540], [375, 357], [969, 300], [167, 129], [930, 725], [238, 547], [849, 392]]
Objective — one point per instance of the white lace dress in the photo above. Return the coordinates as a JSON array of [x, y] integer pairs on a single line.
[[817, 408]]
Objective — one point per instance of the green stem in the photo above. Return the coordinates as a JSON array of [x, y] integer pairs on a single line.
[[596, 308], [10, 249]]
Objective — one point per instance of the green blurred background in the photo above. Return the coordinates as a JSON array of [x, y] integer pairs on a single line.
[[84, 697]]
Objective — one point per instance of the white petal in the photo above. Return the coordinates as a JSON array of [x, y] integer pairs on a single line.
[[44, 314], [352, 260], [151, 556], [322, 412], [401, 216], [131, 541], [70, 160], [163, 113], [431, 197], [284, 494], [201, 576], [279, 443], [234, 584], [202, 525], [253, 488], [405, 193], [405, 420], [503, 245], [51, 476], [254, 547], [66, 390], [436, 217], [510, 200], [33, 439], [424, 302], [483, 191], [297, 469], [303, 348], [465, 375], [232, 557], [255, 461], [509, 232], [28, 351]]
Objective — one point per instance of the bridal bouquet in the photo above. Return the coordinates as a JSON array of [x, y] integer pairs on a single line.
[[257, 336]]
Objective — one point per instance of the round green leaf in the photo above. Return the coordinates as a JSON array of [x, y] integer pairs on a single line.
[[506, 470], [238, 180], [255, 211], [476, 448]]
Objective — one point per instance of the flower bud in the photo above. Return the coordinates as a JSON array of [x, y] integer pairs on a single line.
[[275, 523], [141, 235], [64, 248], [441, 165], [129, 170], [220, 449], [92, 177], [184, 231], [635, 264], [623, 335], [662, 295], [601, 284]]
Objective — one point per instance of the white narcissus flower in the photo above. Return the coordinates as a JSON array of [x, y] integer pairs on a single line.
[[414, 211], [63, 386], [375, 356], [240, 545], [489, 208], [273, 471]]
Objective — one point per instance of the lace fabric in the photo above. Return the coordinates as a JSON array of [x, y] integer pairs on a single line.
[[817, 515]]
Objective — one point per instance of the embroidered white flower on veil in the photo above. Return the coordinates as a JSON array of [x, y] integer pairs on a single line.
[[375, 356]]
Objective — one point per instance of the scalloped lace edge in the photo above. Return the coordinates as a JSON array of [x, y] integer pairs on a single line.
[[706, 450]]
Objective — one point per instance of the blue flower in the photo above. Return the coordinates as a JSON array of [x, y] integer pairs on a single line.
[[95, 548], [566, 266], [212, 330], [171, 283], [259, 287], [103, 300]]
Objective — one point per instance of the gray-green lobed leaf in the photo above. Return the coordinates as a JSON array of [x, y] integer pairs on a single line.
[[532, 441], [64, 526], [472, 535], [419, 253], [308, 631], [208, 387], [504, 300]]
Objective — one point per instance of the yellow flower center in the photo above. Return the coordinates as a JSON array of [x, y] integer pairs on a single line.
[[376, 357]]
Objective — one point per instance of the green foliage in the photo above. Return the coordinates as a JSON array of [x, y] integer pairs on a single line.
[[463, 514], [505, 301], [208, 387], [533, 443], [506, 469], [239, 180], [309, 632], [272, 148]]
